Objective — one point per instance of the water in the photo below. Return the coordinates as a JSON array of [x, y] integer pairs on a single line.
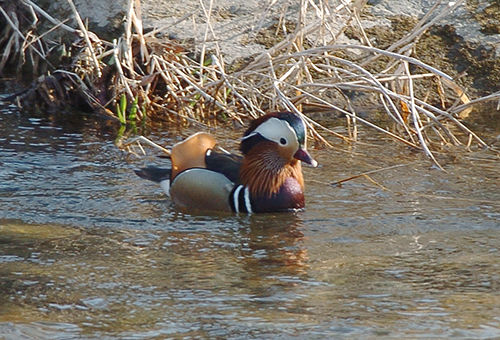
[[90, 251]]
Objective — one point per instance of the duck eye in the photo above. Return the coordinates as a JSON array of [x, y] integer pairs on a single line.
[[283, 141]]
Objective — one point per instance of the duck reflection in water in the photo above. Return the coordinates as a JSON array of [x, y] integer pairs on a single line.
[[274, 243]]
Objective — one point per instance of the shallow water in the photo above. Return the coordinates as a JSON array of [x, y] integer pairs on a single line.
[[89, 251]]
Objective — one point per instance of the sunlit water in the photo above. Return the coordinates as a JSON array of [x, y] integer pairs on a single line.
[[90, 251]]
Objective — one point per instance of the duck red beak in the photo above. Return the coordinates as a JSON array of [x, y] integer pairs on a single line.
[[304, 156]]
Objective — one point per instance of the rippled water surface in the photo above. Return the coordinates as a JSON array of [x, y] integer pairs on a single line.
[[89, 251]]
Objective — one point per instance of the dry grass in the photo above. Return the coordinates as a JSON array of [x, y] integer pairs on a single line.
[[306, 70]]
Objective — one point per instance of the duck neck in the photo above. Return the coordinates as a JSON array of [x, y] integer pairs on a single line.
[[265, 171]]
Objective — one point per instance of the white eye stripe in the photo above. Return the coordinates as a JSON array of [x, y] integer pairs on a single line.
[[275, 129]]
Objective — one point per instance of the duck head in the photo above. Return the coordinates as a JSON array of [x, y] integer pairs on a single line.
[[273, 147], [282, 133]]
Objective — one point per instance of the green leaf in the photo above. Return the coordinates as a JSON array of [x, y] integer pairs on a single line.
[[122, 109]]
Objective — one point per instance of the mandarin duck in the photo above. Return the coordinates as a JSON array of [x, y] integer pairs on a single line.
[[267, 178]]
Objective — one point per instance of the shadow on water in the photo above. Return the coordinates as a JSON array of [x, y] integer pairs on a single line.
[[89, 251]]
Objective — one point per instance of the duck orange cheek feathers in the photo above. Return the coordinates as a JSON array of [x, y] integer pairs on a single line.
[[267, 177]]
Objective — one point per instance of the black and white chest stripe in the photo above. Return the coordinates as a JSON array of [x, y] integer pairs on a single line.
[[240, 199]]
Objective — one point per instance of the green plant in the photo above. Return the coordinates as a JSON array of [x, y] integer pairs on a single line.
[[121, 109]]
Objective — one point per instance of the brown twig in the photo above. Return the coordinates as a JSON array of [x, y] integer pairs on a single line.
[[364, 174]]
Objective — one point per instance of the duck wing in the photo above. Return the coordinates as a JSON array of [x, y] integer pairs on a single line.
[[225, 163]]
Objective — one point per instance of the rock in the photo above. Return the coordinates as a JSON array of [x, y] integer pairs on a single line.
[[465, 43], [105, 18]]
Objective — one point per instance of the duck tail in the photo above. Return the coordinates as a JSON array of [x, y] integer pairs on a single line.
[[154, 174]]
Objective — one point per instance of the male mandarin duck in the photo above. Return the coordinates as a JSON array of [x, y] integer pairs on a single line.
[[268, 178]]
